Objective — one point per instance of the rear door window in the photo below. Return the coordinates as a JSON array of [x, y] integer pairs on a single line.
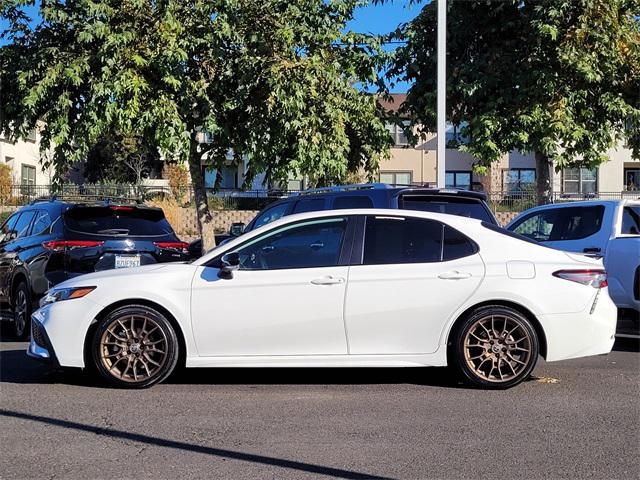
[[117, 220], [464, 207], [352, 201], [23, 225], [631, 220], [456, 245], [42, 223], [309, 205], [396, 240], [570, 223]]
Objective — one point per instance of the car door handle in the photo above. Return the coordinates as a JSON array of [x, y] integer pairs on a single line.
[[454, 275], [592, 250], [327, 280]]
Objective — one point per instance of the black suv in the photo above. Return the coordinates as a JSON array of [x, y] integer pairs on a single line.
[[373, 195], [49, 241]]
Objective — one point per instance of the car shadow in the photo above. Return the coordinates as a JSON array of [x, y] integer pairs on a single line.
[[17, 367]]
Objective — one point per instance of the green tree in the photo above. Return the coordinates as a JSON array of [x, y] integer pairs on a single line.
[[559, 78], [273, 81]]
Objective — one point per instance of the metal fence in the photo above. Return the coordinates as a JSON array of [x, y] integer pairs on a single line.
[[234, 199]]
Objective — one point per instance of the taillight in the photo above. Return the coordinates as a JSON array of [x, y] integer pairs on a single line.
[[60, 245], [592, 278], [121, 208], [183, 246]]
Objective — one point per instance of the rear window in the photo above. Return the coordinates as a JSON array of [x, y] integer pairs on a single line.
[[564, 223], [463, 207], [631, 221], [117, 221]]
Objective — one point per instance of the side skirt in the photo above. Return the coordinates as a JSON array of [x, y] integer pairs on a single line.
[[437, 359]]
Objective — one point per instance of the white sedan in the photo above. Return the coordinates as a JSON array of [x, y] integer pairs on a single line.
[[344, 288]]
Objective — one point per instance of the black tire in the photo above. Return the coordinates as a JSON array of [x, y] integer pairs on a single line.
[[486, 355], [126, 354], [21, 308]]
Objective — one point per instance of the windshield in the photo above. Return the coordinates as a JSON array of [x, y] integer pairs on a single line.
[[117, 221]]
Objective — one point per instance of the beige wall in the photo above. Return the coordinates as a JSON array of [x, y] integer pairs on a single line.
[[24, 153], [421, 162]]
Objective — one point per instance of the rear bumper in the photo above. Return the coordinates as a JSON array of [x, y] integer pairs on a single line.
[[591, 332]]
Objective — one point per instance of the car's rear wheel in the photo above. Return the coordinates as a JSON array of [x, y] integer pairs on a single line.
[[21, 306], [496, 347], [135, 347]]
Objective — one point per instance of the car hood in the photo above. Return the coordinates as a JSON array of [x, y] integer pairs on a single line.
[[128, 273]]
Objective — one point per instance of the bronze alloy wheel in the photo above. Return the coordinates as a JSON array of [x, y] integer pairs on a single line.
[[135, 346], [495, 347]]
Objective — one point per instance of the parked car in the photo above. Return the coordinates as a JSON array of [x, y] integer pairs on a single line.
[[49, 241], [370, 195], [606, 228], [345, 288]]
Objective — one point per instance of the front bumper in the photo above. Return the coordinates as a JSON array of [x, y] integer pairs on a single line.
[[40, 346]]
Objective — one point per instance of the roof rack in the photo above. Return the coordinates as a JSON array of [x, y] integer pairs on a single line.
[[344, 188]]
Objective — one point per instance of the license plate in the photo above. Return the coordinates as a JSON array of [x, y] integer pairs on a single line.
[[127, 261]]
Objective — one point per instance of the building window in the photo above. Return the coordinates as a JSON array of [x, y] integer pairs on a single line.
[[397, 133], [28, 176], [518, 178], [32, 136], [453, 137], [632, 179], [396, 178], [580, 180], [458, 180]]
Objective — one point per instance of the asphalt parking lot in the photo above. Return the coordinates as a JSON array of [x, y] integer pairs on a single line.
[[573, 419]]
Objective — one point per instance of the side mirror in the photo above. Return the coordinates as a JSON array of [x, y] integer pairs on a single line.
[[236, 229], [230, 262]]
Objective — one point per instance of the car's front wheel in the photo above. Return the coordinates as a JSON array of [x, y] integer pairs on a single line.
[[495, 347], [135, 347]]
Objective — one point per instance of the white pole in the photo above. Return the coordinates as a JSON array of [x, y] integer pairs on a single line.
[[442, 91]]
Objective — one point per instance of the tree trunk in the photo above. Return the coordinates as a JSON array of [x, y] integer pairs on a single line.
[[544, 185], [205, 219]]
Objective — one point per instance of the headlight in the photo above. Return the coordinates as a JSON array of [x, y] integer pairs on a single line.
[[59, 294]]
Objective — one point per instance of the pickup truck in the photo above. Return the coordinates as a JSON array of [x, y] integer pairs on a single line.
[[605, 228]]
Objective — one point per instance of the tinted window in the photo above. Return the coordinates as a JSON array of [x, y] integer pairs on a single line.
[[271, 215], [314, 243], [9, 227], [569, 223], [464, 207], [309, 205], [352, 201], [456, 245], [117, 221], [631, 221], [402, 240], [24, 222], [41, 223]]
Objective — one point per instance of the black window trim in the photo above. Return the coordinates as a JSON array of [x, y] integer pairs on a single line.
[[346, 249]]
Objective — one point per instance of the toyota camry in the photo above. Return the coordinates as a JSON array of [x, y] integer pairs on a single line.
[[342, 288]]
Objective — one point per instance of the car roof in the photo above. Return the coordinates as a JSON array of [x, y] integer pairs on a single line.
[[364, 188]]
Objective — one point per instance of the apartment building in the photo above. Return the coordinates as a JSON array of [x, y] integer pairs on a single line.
[[25, 160], [515, 170]]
